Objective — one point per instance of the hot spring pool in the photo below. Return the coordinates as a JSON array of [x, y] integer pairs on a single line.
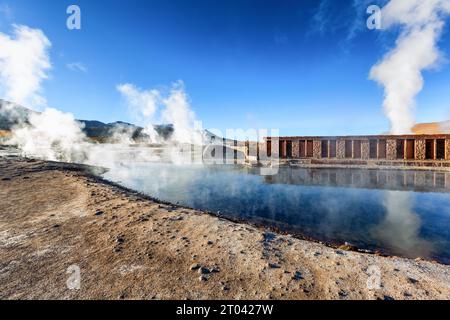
[[404, 213]]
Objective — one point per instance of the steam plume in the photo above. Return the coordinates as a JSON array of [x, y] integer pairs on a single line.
[[179, 113], [24, 62], [400, 71], [51, 135], [54, 135], [171, 107], [142, 104]]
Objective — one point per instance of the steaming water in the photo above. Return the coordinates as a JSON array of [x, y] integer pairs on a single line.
[[385, 213]]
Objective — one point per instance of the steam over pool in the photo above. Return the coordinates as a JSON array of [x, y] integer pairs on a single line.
[[385, 213]]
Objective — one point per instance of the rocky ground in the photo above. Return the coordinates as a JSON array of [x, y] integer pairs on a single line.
[[58, 219]]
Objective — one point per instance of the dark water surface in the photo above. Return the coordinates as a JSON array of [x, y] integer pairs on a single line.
[[404, 213]]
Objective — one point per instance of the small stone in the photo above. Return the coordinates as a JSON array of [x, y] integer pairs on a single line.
[[203, 278], [348, 247], [412, 280], [343, 293], [195, 266], [6, 179], [215, 270], [210, 243], [203, 270], [297, 276], [273, 265], [226, 288], [99, 213], [120, 240]]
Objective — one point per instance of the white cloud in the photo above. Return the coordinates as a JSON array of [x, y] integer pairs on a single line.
[[24, 63], [336, 17], [77, 67], [6, 11], [320, 19]]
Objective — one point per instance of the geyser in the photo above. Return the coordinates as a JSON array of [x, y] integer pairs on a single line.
[[400, 71]]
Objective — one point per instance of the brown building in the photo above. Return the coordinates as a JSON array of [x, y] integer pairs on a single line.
[[406, 150]]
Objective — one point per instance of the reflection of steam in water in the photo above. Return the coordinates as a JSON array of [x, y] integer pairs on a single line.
[[400, 229], [371, 219]]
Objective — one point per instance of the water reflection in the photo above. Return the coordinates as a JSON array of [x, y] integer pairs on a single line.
[[405, 180], [400, 229], [313, 203]]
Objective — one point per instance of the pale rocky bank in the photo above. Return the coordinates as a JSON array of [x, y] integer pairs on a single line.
[[127, 246]]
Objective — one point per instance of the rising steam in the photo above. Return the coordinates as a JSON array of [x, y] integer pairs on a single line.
[[400, 71], [24, 63], [54, 135], [142, 106], [168, 106], [178, 112]]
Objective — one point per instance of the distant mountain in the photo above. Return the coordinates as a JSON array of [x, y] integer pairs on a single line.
[[211, 138], [12, 114], [102, 132]]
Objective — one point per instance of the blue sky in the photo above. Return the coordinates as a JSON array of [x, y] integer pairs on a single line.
[[298, 66]]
